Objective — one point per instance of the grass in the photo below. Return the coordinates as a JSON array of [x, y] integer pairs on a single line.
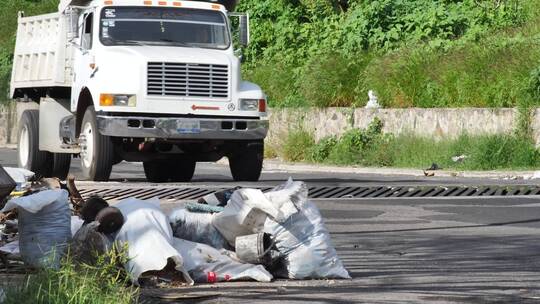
[[490, 152], [372, 148], [494, 72], [103, 283]]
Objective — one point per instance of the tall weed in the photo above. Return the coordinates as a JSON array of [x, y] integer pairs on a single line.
[[103, 283]]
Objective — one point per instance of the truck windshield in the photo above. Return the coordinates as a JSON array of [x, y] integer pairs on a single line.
[[164, 26]]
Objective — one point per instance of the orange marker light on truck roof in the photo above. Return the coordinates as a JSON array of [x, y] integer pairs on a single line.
[[177, 4], [216, 6], [147, 2], [107, 2], [162, 2]]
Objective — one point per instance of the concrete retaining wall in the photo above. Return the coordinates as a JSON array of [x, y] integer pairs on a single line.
[[435, 123], [8, 124]]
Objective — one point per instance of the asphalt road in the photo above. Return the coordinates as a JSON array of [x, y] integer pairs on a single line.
[[217, 174], [435, 250]]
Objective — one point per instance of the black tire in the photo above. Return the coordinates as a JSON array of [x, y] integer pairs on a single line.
[[99, 166], [39, 162], [246, 164], [169, 170], [117, 159], [182, 170], [156, 171], [61, 164]]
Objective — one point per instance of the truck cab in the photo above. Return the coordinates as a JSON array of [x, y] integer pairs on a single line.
[[149, 81]]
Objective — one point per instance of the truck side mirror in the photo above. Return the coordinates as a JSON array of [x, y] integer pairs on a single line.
[[72, 23], [244, 30], [240, 54]]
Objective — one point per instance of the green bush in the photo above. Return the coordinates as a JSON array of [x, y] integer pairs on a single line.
[[297, 145], [5, 73], [278, 81], [8, 27], [353, 144], [320, 151], [534, 83]]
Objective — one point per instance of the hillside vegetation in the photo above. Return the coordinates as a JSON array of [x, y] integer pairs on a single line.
[[8, 27], [412, 53]]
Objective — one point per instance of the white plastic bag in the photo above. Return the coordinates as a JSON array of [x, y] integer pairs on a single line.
[[147, 232], [208, 265], [44, 226], [305, 244], [246, 213], [288, 198], [11, 248], [35, 202], [76, 224], [196, 227]]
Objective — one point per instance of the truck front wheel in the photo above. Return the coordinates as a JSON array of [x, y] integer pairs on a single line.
[[183, 170], [246, 163], [97, 151]]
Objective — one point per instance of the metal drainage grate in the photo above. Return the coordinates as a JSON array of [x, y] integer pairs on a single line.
[[193, 193]]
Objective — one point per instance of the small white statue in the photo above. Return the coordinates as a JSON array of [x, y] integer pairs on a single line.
[[373, 102]]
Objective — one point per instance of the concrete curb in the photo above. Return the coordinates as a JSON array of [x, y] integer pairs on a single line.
[[277, 165]]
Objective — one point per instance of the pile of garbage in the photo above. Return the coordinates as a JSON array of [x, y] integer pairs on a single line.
[[235, 234]]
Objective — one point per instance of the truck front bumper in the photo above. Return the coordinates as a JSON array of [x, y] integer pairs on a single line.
[[182, 128]]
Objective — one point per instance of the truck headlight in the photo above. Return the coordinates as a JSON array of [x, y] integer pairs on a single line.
[[253, 105], [117, 100]]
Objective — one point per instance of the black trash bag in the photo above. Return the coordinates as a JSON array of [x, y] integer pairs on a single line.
[[88, 244]]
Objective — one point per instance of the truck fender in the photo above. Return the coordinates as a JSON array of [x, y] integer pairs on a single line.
[[84, 101]]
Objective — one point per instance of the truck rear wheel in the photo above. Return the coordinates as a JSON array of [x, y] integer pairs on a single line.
[[97, 151], [246, 164], [29, 156], [169, 170], [156, 171], [61, 164]]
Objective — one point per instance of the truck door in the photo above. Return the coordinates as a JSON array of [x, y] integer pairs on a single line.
[[84, 60]]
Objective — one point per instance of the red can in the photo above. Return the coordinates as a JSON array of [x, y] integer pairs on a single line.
[[211, 277]]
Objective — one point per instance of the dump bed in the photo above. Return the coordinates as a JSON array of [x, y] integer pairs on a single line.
[[43, 56]]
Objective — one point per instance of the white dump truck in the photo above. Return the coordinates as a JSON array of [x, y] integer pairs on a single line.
[[152, 81]]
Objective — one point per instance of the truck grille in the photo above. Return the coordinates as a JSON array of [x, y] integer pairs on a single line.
[[188, 79]]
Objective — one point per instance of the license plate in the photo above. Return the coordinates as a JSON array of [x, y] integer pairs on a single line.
[[188, 127]]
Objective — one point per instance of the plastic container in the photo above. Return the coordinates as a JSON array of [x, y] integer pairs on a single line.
[[254, 248]]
